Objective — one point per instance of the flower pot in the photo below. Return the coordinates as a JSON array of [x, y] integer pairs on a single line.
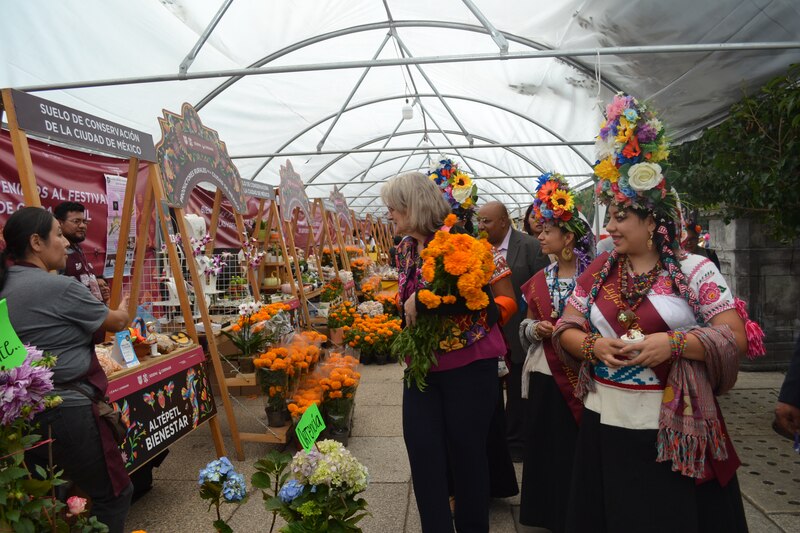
[[366, 358], [338, 435], [381, 358], [337, 336], [276, 418], [246, 365]]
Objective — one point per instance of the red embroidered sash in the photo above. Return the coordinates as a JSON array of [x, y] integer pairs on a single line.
[[540, 302], [609, 302]]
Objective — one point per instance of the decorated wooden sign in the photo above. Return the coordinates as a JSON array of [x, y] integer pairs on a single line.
[[190, 153]]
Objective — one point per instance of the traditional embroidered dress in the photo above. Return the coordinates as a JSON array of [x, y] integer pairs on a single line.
[[553, 411], [617, 483]]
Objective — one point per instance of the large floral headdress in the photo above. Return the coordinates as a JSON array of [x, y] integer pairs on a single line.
[[457, 188], [555, 204], [631, 152]]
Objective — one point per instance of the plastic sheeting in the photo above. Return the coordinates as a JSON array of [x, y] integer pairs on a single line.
[[514, 101]]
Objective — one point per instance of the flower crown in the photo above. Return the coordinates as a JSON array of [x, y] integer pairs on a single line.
[[555, 204], [457, 188], [629, 148]]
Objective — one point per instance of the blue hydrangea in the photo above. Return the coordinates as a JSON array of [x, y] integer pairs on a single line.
[[290, 490], [215, 471], [234, 489]]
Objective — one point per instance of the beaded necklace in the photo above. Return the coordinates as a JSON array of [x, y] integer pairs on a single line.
[[634, 296], [559, 301]]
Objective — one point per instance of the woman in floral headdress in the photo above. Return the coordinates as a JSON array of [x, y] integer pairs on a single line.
[[653, 335], [553, 412]]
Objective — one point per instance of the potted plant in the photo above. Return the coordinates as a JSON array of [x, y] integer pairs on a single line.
[[248, 336], [315, 490], [272, 376], [338, 400], [373, 335], [339, 317]]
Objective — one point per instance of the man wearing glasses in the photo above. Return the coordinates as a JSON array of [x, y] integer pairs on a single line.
[[74, 224]]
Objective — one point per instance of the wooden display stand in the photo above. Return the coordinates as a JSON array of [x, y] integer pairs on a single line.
[[154, 201]]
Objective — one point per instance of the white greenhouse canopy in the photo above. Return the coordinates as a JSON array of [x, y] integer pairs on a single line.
[[508, 88]]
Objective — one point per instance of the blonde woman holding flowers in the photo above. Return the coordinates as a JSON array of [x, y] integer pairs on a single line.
[[553, 412], [449, 420], [653, 335]]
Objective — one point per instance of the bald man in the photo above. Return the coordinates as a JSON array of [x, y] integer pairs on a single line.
[[525, 258]]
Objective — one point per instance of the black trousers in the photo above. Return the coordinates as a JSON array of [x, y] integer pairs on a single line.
[[78, 451], [450, 421], [515, 412]]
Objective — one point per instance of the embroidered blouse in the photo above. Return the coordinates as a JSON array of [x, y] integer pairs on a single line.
[[631, 396]]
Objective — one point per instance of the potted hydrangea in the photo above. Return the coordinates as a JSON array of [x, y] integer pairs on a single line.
[[315, 490]]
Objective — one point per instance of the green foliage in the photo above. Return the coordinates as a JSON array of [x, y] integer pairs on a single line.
[[749, 166], [419, 343], [27, 503]]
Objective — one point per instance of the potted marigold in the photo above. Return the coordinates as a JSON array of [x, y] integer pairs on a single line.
[[338, 399], [272, 374], [340, 316], [373, 336], [359, 268]]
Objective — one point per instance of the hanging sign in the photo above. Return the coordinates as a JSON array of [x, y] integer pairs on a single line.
[[12, 351], [292, 193], [190, 153], [340, 203], [257, 189], [56, 121]]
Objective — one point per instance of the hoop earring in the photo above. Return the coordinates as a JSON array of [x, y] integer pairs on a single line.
[[567, 254], [650, 241]]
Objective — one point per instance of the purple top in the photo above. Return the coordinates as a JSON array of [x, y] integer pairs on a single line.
[[488, 346]]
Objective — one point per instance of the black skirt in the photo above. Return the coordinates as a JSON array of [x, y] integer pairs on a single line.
[[502, 477], [618, 487], [550, 435]]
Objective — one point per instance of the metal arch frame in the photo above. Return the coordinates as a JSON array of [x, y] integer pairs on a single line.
[[473, 158], [416, 132], [493, 194], [388, 25], [426, 95]]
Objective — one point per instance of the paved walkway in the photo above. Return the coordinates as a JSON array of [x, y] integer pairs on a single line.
[[769, 477]]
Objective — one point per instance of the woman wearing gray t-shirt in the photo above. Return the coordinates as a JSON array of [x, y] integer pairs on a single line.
[[58, 315]]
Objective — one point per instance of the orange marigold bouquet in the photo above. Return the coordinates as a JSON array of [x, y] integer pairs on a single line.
[[359, 268], [455, 268], [389, 302], [249, 333], [370, 287], [341, 315]]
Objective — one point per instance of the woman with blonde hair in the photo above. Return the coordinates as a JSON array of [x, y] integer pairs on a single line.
[[449, 421]]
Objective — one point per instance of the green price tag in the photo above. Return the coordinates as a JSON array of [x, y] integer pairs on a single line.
[[310, 426], [12, 351]]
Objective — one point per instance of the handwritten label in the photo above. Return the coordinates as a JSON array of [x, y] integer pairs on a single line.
[[12, 351], [310, 426]]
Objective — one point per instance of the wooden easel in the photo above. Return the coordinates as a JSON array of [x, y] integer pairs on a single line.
[[154, 194]]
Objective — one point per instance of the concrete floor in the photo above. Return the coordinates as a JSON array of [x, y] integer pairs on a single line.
[[769, 477]]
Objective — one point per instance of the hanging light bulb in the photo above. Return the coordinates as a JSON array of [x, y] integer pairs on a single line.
[[408, 111]]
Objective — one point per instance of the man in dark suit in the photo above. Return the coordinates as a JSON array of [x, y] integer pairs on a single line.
[[524, 257]]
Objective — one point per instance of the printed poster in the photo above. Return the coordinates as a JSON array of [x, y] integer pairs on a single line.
[[115, 195]]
